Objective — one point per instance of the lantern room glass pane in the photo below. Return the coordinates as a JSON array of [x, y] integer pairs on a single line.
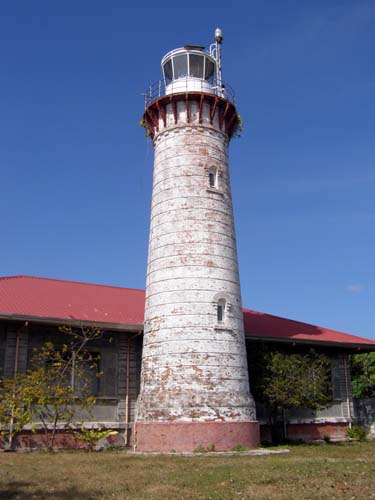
[[210, 67], [196, 66], [180, 66], [168, 74]]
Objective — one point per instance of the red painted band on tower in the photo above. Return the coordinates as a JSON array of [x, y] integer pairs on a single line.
[[191, 436]]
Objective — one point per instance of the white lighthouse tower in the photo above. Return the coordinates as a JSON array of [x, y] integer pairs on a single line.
[[194, 382]]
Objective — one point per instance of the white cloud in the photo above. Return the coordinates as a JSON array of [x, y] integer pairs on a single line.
[[356, 288]]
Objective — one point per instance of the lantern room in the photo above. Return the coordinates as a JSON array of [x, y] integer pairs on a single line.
[[192, 69], [189, 69]]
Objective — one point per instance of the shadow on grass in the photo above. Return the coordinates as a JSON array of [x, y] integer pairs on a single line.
[[15, 490]]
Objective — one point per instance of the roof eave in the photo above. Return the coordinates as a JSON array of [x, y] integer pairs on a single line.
[[73, 322], [138, 327], [329, 343]]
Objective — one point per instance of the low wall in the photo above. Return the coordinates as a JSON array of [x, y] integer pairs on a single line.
[[309, 432], [64, 440], [67, 440]]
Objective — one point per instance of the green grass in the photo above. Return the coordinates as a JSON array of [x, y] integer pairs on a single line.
[[329, 471]]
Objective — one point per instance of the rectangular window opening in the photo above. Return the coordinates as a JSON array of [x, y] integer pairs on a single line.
[[211, 178], [220, 313]]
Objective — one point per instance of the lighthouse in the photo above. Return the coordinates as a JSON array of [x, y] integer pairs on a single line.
[[194, 380]]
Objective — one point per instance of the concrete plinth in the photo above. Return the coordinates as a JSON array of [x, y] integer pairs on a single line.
[[190, 436]]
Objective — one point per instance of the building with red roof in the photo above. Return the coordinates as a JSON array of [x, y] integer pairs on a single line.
[[32, 309], [54, 301]]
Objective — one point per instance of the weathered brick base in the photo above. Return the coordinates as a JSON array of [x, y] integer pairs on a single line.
[[189, 436], [309, 432]]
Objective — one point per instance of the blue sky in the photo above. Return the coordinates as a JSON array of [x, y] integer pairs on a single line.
[[75, 168]]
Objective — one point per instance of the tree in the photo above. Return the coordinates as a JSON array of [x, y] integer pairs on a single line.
[[16, 396], [54, 390], [61, 379], [363, 375], [285, 381]]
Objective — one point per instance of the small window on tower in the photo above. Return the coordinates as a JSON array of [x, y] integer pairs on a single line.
[[220, 311], [212, 178]]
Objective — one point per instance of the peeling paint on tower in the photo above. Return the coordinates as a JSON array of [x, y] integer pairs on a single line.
[[194, 387]]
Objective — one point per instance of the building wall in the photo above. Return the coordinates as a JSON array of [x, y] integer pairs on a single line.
[[15, 336], [304, 423], [114, 348], [129, 348], [365, 413], [2, 348]]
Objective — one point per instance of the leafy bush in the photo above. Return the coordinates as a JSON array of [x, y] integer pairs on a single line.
[[16, 397], [363, 375], [92, 436], [357, 432]]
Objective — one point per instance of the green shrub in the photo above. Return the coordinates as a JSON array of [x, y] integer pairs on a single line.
[[357, 432], [92, 436]]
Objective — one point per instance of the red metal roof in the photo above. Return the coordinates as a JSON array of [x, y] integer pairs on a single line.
[[258, 324], [50, 298], [32, 297]]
